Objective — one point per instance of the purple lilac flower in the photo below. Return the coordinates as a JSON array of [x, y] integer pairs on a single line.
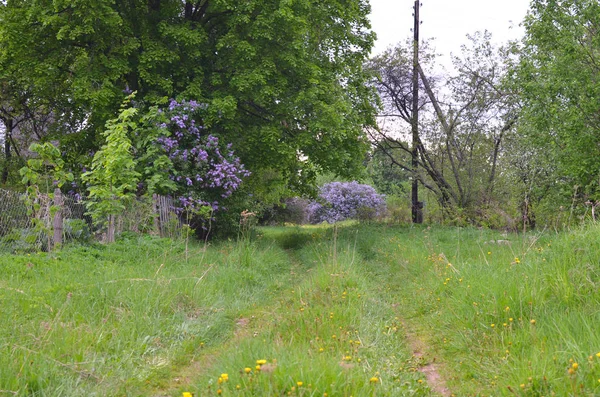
[[345, 200]]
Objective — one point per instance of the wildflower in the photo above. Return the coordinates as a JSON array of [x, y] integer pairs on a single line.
[[506, 308], [219, 391], [261, 362], [420, 381], [598, 354], [532, 321], [299, 384], [187, 394], [517, 261], [374, 379], [257, 367], [247, 370], [575, 366], [225, 377], [493, 325]]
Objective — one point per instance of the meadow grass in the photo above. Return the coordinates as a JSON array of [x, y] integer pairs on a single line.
[[307, 311], [507, 315]]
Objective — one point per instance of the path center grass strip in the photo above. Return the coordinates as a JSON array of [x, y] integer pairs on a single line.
[[330, 332]]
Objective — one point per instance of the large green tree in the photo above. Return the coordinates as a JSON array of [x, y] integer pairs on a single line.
[[559, 78], [282, 79]]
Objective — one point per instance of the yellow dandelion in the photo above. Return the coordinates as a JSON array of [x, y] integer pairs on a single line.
[[261, 362], [493, 325], [374, 379], [257, 368], [187, 394], [598, 354], [219, 392], [575, 366], [247, 370], [532, 321], [299, 384], [225, 377]]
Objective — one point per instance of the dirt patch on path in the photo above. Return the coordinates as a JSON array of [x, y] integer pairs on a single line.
[[430, 369]]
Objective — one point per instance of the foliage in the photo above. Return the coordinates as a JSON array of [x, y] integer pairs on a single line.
[[47, 170], [558, 80], [346, 200], [283, 81], [203, 170], [462, 123], [293, 210], [112, 181]]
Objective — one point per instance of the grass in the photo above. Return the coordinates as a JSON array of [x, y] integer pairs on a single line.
[[307, 311]]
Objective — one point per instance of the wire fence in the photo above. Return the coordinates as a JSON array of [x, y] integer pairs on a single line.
[[39, 225]]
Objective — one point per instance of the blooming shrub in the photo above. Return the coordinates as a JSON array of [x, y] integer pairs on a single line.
[[203, 170], [346, 200]]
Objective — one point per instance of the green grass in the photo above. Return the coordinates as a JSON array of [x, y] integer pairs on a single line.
[[339, 310]]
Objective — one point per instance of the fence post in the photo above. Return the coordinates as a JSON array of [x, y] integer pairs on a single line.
[[57, 224], [156, 215]]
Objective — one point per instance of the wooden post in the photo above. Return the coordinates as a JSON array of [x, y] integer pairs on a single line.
[[110, 231], [417, 207], [57, 223], [156, 215]]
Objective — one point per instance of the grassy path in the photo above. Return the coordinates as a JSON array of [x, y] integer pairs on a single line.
[[332, 331]]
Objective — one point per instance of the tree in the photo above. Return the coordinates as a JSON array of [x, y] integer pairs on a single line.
[[113, 179], [283, 80], [559, 74], [461, 128]]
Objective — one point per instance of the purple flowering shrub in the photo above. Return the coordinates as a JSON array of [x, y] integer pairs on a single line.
[[204, 171], [346, 200]]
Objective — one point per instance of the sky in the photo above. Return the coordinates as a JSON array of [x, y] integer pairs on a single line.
[[448, 21]]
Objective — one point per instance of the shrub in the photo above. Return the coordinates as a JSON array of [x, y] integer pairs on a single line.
[[346, 200]]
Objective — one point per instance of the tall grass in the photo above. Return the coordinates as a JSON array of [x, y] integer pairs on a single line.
[[307, 311], [514, 315]]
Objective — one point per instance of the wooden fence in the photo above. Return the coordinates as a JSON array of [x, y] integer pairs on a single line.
[[62, 218]]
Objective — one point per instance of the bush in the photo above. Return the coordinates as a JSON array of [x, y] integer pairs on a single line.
[[346, 200], [292, 210]]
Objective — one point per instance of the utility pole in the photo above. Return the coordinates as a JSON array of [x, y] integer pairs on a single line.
[[417, 206]]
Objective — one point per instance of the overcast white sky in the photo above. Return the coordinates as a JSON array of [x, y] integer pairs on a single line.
[[448, 21]]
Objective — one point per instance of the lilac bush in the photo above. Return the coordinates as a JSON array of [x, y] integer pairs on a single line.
[[203, 170], [346, 200]]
